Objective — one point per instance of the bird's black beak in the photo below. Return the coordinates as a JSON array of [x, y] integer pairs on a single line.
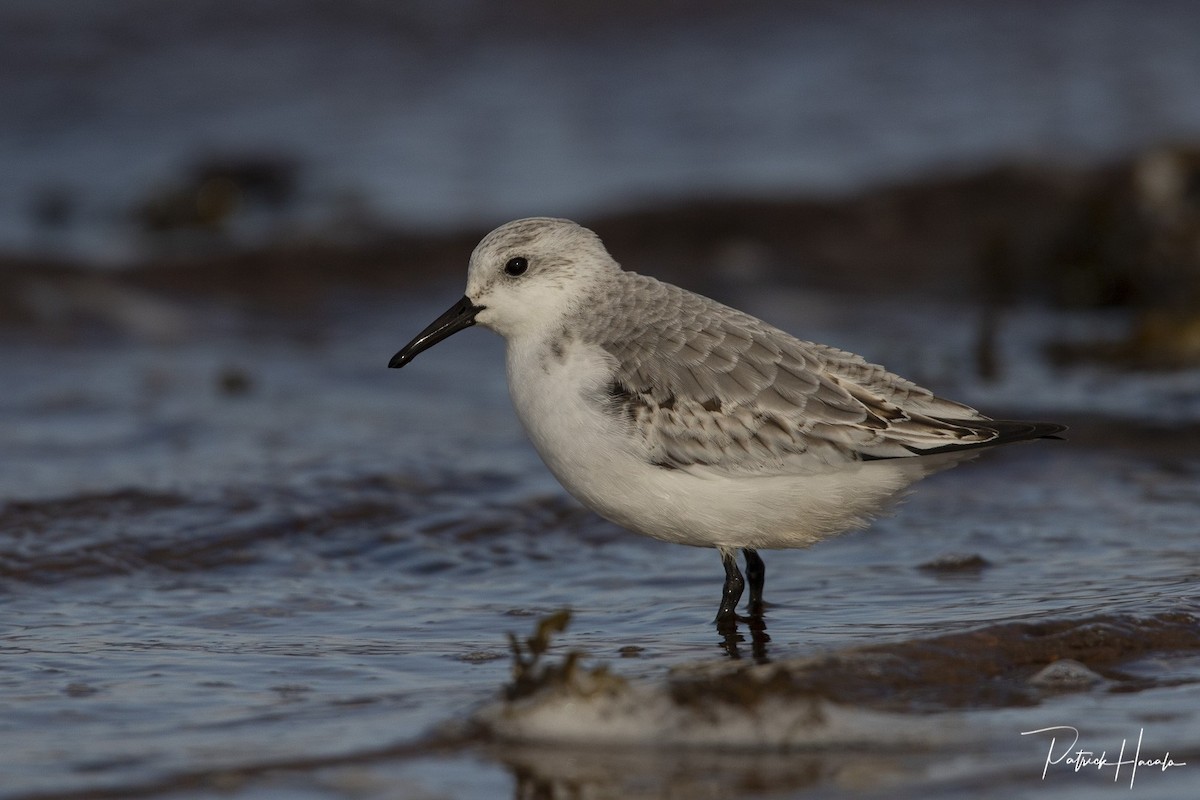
[[458, 316]]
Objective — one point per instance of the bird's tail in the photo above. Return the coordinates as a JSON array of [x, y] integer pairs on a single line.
[[1002, 431]]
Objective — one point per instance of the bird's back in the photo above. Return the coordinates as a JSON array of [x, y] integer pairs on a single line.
[[706, 385]]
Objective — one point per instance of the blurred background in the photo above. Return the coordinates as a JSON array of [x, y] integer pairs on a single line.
[[225, 524], [128, 120], [991, 150]]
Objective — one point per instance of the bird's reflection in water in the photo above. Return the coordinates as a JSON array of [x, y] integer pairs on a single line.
[[733, 640], [549, 773]]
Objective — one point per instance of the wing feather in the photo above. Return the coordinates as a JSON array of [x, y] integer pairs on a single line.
[[705, 384]]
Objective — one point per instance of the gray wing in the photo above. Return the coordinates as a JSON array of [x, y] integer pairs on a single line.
[[704, 384]]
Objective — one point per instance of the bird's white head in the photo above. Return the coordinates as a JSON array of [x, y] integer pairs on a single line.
[[524, 277], [530, 272]]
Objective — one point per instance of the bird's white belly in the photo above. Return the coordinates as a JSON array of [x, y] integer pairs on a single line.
[[559, 400]]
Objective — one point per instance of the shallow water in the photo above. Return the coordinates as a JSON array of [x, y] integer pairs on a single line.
[[255, 563]]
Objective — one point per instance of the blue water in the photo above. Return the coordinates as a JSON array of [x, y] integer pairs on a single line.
[[442, 115], [280, 589]]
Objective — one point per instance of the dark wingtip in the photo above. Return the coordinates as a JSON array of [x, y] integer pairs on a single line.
[[1047, 430], [1006, 431], [1020, 431]]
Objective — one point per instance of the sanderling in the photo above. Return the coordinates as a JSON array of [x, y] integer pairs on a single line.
[[692, 422]]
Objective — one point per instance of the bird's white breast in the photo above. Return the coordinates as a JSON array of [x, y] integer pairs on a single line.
[[560, 390], [557, 390]]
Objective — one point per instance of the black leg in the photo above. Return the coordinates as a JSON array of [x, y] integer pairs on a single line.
[[756, 573], [732, 592]]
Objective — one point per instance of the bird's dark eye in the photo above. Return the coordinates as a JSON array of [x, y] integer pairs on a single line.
[[516, 266]]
